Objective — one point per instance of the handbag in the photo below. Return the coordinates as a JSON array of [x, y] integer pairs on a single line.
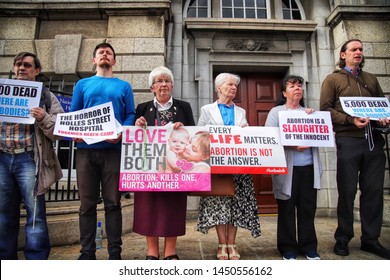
[[221, 185]]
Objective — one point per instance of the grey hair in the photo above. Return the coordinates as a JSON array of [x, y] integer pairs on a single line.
[[158, 71], [223, 77]]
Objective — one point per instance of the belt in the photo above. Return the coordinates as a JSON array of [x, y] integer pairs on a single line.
[[17, 151]]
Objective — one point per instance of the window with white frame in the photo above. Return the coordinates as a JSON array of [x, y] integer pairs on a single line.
[[250, 9], [291, 10], [244, 8], [198, 8]]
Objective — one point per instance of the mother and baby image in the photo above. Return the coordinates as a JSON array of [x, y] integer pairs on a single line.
[[188, 153]]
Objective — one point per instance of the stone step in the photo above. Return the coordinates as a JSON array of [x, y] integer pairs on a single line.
[[63, 221]]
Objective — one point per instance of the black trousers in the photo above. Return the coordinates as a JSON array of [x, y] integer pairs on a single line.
[[357, 164], [296, 215], [99, 169]]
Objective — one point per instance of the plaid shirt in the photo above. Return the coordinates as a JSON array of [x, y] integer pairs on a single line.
[[15, 136]]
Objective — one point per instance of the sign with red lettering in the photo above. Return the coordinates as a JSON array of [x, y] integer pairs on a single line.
[[246, 150], [297, 128], [93, 124]]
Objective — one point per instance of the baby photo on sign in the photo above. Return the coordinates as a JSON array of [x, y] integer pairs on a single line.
[[188, 152]]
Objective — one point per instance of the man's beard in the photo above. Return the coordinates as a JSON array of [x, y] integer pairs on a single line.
[[105, 65]]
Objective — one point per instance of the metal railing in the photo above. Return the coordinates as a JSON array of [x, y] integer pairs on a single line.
[[65, 189]]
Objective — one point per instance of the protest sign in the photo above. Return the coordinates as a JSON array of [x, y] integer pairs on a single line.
[[148, 164], [246, 150], [297, 128], [374, 108], [162, 159], [17, 97], [97, 122], [65, 102]]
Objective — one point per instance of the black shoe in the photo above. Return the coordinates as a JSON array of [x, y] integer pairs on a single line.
[[341, 248], [151, 258], [115, 256], [172, 257], [377, 249], [87, 256]]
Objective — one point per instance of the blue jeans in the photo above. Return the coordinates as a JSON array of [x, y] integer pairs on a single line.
[[17, 182]]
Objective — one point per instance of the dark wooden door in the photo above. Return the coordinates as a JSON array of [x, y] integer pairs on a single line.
[[262, 91], [257, 94]]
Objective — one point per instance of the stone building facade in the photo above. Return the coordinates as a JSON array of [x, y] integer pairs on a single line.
[[261, 40]]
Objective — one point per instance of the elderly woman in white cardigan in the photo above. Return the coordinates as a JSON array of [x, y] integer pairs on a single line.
[[240, 210]]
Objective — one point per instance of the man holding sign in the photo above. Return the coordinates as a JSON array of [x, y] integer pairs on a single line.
[[28, 167], [360, 155], [98, 164]]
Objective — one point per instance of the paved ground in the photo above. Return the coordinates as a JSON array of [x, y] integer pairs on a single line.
[[198, 246]]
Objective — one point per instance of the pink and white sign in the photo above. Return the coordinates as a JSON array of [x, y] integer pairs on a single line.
[[163, 159]]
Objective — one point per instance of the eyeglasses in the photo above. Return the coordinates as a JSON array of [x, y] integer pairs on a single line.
[[160, 82], [24, 64]]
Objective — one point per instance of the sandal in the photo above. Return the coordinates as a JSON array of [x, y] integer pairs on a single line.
[[151, 258], [223, 255], [172, 257], [233, 255]]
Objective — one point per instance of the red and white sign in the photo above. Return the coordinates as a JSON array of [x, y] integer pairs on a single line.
[[246, 150], [297, 128]]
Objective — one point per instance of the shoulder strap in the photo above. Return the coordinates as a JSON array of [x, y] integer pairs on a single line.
[[361, 83], [46, 97]]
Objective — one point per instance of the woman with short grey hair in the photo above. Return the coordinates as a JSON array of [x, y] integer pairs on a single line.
[[161, 214], [226, 213]]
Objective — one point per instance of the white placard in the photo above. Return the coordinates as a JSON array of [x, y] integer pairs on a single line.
[[17, 97], [374, 108], [297, 128], [97, 122], [246, 150]]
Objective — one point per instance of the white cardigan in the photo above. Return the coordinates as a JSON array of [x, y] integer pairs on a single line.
[[210, 115]]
